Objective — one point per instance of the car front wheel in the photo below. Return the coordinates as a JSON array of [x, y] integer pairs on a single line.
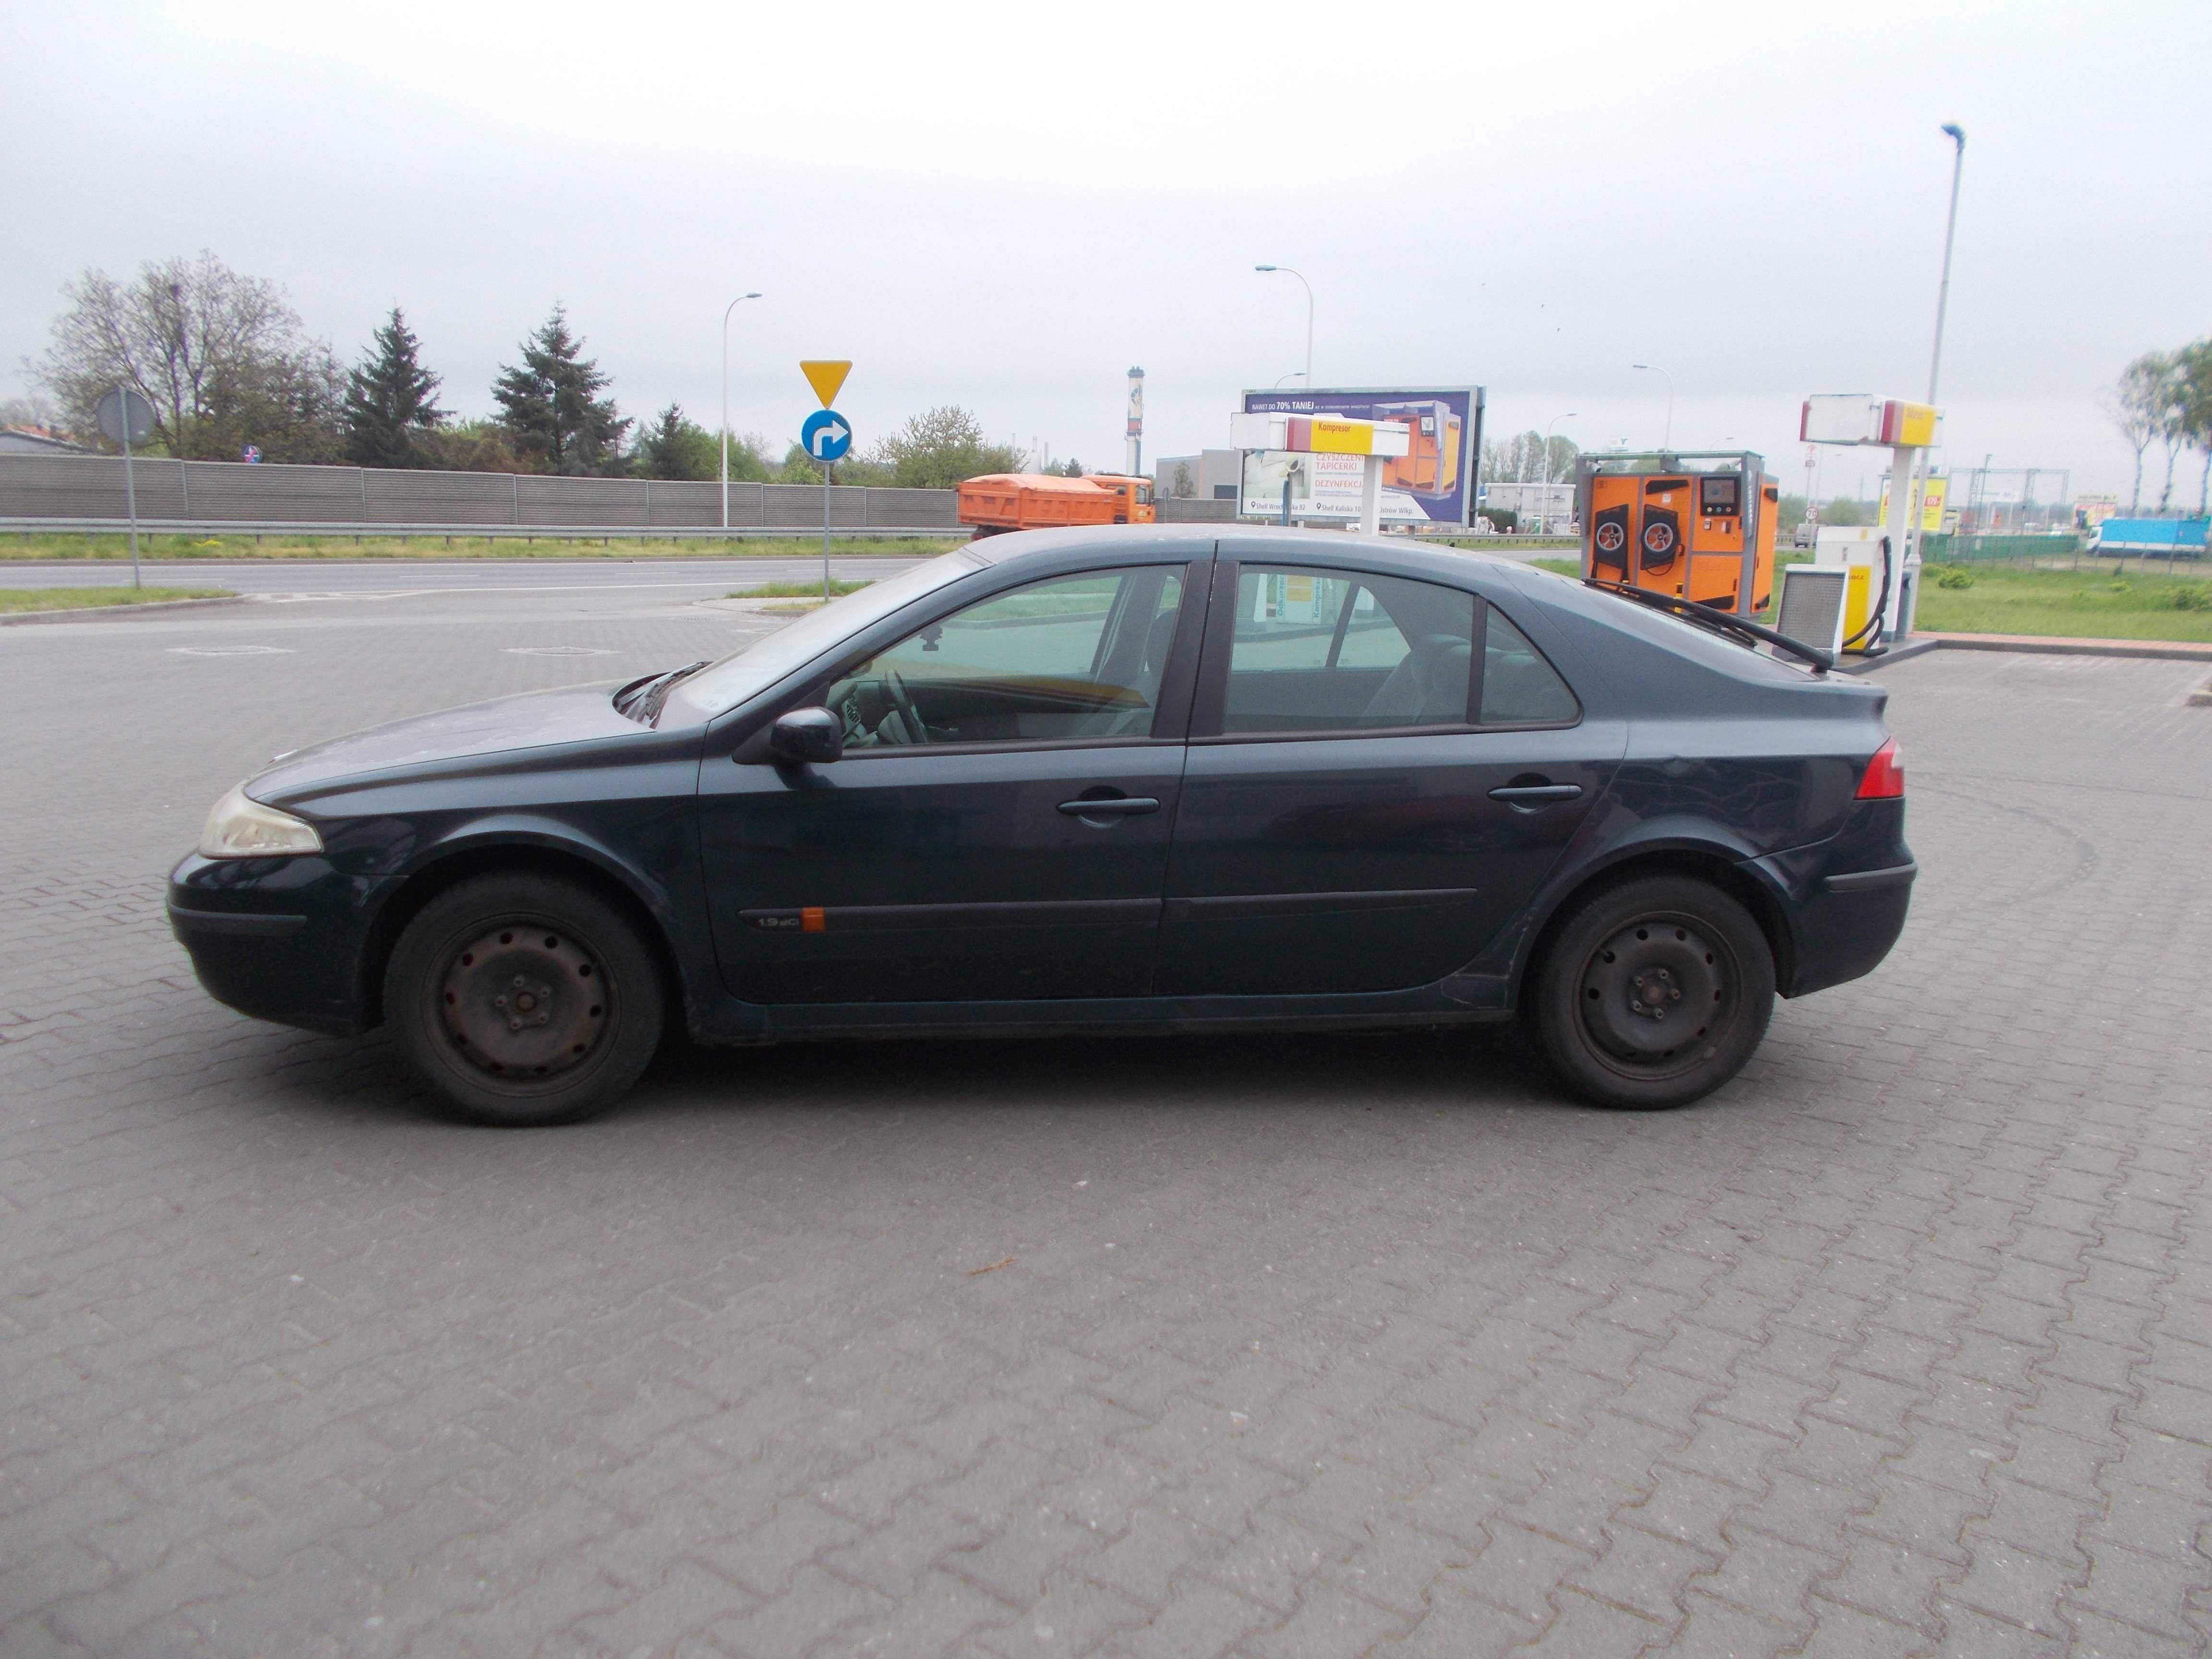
[[1653, 993], [523, 1000]]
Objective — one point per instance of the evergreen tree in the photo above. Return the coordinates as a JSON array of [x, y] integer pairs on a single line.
[[388, 400], [674, 448], [552, 406]]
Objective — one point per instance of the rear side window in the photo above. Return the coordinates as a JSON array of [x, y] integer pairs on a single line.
[[1341, 651], [1519, 688]]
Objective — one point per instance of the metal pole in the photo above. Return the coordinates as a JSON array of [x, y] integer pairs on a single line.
[[825, 533], [130, 485], [1370, 497], [1957, 133], [726, 310], [1544, 499], [1309, 316]]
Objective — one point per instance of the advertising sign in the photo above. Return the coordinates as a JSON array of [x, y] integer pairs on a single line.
[[1433, 483], [1931, 509]]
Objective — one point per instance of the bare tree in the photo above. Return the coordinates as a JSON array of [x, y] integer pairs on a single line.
[[220, 355], [2193, 366], [2137, 404]]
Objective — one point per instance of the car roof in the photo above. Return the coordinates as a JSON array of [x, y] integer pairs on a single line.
[[1388, 555]]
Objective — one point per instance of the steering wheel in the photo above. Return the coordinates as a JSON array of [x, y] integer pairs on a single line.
[[904, 703]]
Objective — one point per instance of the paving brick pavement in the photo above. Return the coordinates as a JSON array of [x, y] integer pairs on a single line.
[[1300, 1345]]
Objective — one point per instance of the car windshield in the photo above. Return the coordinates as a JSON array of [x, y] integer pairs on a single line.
[[758, 664]]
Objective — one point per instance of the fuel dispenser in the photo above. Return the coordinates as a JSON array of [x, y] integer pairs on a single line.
[[1697, 523], [1881, 563]]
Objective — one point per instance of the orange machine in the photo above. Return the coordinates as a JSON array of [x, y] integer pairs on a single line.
[[999, 502], [1431, 466], [1699, 524]]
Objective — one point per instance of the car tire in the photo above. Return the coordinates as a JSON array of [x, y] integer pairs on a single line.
[[1652, 994], [523, 1001]]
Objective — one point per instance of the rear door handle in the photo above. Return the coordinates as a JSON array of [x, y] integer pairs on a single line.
[[1535, 794], [1112, 807]]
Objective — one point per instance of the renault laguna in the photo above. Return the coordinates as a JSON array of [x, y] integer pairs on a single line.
[[1126, 779]]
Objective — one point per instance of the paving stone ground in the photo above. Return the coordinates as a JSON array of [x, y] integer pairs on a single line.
[[1902, 1343]]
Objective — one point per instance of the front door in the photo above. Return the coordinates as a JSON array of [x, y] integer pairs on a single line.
[[1381, 772], [998, 826]]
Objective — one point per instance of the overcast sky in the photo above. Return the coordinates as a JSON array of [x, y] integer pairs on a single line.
[[1008, 206]]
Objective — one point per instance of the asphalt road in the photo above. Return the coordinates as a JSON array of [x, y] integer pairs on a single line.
[[1901, 1344]]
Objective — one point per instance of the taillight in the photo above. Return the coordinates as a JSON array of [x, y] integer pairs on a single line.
[[1884, 775]]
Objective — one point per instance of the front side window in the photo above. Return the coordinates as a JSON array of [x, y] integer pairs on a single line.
[[1074, 659], [1337, 651]]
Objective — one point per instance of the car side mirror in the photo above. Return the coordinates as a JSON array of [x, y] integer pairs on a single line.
[[807, 736]]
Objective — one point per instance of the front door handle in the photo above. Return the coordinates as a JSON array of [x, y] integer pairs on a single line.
[[1535, 794], [1111, 806]]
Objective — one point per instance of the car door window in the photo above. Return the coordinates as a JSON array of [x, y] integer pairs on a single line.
[[1519, 688], [1338, 651], [1074, 658]]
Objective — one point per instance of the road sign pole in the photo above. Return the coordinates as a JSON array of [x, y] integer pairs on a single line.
[[825, 437]]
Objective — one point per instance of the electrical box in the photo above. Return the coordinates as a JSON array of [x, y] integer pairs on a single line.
[[1698, 525]]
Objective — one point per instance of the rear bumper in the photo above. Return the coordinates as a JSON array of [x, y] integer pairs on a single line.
[[1845, 928], [1845, 900]]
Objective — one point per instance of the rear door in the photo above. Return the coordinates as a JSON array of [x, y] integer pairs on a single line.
[[1381, 773]]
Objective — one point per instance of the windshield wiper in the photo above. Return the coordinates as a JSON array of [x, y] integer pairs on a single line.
[[1749, 635], [642, 700]]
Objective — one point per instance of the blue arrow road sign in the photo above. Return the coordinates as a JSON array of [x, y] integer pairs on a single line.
[[825, 436]]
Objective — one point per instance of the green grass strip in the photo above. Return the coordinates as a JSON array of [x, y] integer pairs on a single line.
[[16, 601]]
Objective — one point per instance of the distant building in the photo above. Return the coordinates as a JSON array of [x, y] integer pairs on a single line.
[[36, 440], [1554, 503], [1215, 475]]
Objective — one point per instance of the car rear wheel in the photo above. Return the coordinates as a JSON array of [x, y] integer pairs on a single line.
[[523, 1000], [1654, 993]]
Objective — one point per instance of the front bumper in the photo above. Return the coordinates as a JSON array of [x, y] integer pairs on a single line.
[[277, 938]]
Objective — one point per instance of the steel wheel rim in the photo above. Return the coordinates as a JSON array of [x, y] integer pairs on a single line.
[[524, 1001], [1656, 997]]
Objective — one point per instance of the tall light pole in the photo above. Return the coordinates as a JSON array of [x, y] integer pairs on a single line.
[[733, 306], [1957, 135], [1667, 442], [1287, 271], [1544, 496]]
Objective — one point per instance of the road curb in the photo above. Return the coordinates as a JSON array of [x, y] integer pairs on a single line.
[[93, 612], [2028, 644]]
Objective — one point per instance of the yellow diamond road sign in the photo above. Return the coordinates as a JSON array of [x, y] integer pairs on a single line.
[[825, 378]]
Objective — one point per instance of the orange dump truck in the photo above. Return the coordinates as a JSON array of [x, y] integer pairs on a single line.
[[999, 502]]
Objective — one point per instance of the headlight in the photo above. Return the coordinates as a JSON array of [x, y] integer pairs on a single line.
[[243, 828]]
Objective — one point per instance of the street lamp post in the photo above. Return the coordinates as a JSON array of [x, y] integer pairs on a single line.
[[1287, 271], [1957, 135], [1544, 495], [1667, 442], [733, 306]]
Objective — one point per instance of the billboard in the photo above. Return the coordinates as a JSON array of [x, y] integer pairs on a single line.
[[1433, 484]]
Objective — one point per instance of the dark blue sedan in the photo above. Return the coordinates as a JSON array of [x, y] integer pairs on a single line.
[[1140, 779]]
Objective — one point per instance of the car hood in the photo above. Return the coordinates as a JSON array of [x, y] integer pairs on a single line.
[[530, 720]]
